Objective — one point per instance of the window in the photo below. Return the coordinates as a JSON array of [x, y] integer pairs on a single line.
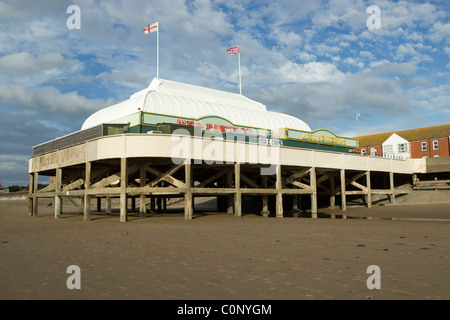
[[363, 152], [403, 147], [435, 145], [373, 152], [388, 148], [424, 146], [436, 156]]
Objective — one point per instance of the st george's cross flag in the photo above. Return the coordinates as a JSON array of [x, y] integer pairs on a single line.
[[151, 28], [233, 50]]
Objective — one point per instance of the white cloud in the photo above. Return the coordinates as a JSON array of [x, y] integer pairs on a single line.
[[48, 100], [398, 68], [24, 63], [440, 31], [405, 50]]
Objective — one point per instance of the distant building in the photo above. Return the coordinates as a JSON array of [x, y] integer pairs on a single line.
[[429, 142], [3, 190]]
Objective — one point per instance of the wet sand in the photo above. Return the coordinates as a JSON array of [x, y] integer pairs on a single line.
[[219, 256]]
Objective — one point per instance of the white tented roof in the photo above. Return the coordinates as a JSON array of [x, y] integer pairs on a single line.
[[183, 100]]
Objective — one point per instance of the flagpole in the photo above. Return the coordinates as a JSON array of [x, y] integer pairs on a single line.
[[240, 81], [157, 50]]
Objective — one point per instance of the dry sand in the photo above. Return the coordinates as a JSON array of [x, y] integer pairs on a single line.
[[219, 256]]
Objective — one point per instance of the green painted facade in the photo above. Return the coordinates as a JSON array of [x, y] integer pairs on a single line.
[[320, 139]]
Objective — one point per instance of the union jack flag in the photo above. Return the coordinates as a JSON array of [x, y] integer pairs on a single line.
[[233, 50]]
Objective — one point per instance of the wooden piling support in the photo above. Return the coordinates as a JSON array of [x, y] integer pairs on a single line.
[[188, 208], [237, 194], [343, 196], [123, 189], [142, 197], [279, 195], [108, 205], [369, 190], [35, 197], [392, 187], [87, 197], [313, 182], [30, 194], [58, 199]]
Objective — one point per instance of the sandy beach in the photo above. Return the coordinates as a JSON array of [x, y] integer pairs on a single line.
[[219, 256]]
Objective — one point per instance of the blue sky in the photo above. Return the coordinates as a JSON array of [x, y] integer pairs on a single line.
[[316, 60]]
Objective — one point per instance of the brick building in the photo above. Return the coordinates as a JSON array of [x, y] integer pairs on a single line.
[[429, 142]]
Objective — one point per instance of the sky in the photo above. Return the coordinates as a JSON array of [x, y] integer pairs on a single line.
[[321, 61]]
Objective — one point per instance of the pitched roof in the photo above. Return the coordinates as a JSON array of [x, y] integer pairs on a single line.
[[410, 135]]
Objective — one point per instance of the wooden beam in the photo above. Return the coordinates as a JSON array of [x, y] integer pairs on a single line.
[[301, 185], [323, 179], [299, 174], [148, 190], [50, 187], [166, 176], [359, 175], [113, 178], [106, 181], [212, 178], [249, 181], [359, 186], [217, 191], [74, 185]]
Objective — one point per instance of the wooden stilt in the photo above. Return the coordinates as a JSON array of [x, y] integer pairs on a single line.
[[229, 184], [265, 200], [35, 198], [369, 190], [279, 196], [188, 207], [343, 197], [237, 186], [123, 189], [313, 182], [58, 199], [30, 194], [142, 198], [108, 205], [332, 193], [392, 187], [87, 197]]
